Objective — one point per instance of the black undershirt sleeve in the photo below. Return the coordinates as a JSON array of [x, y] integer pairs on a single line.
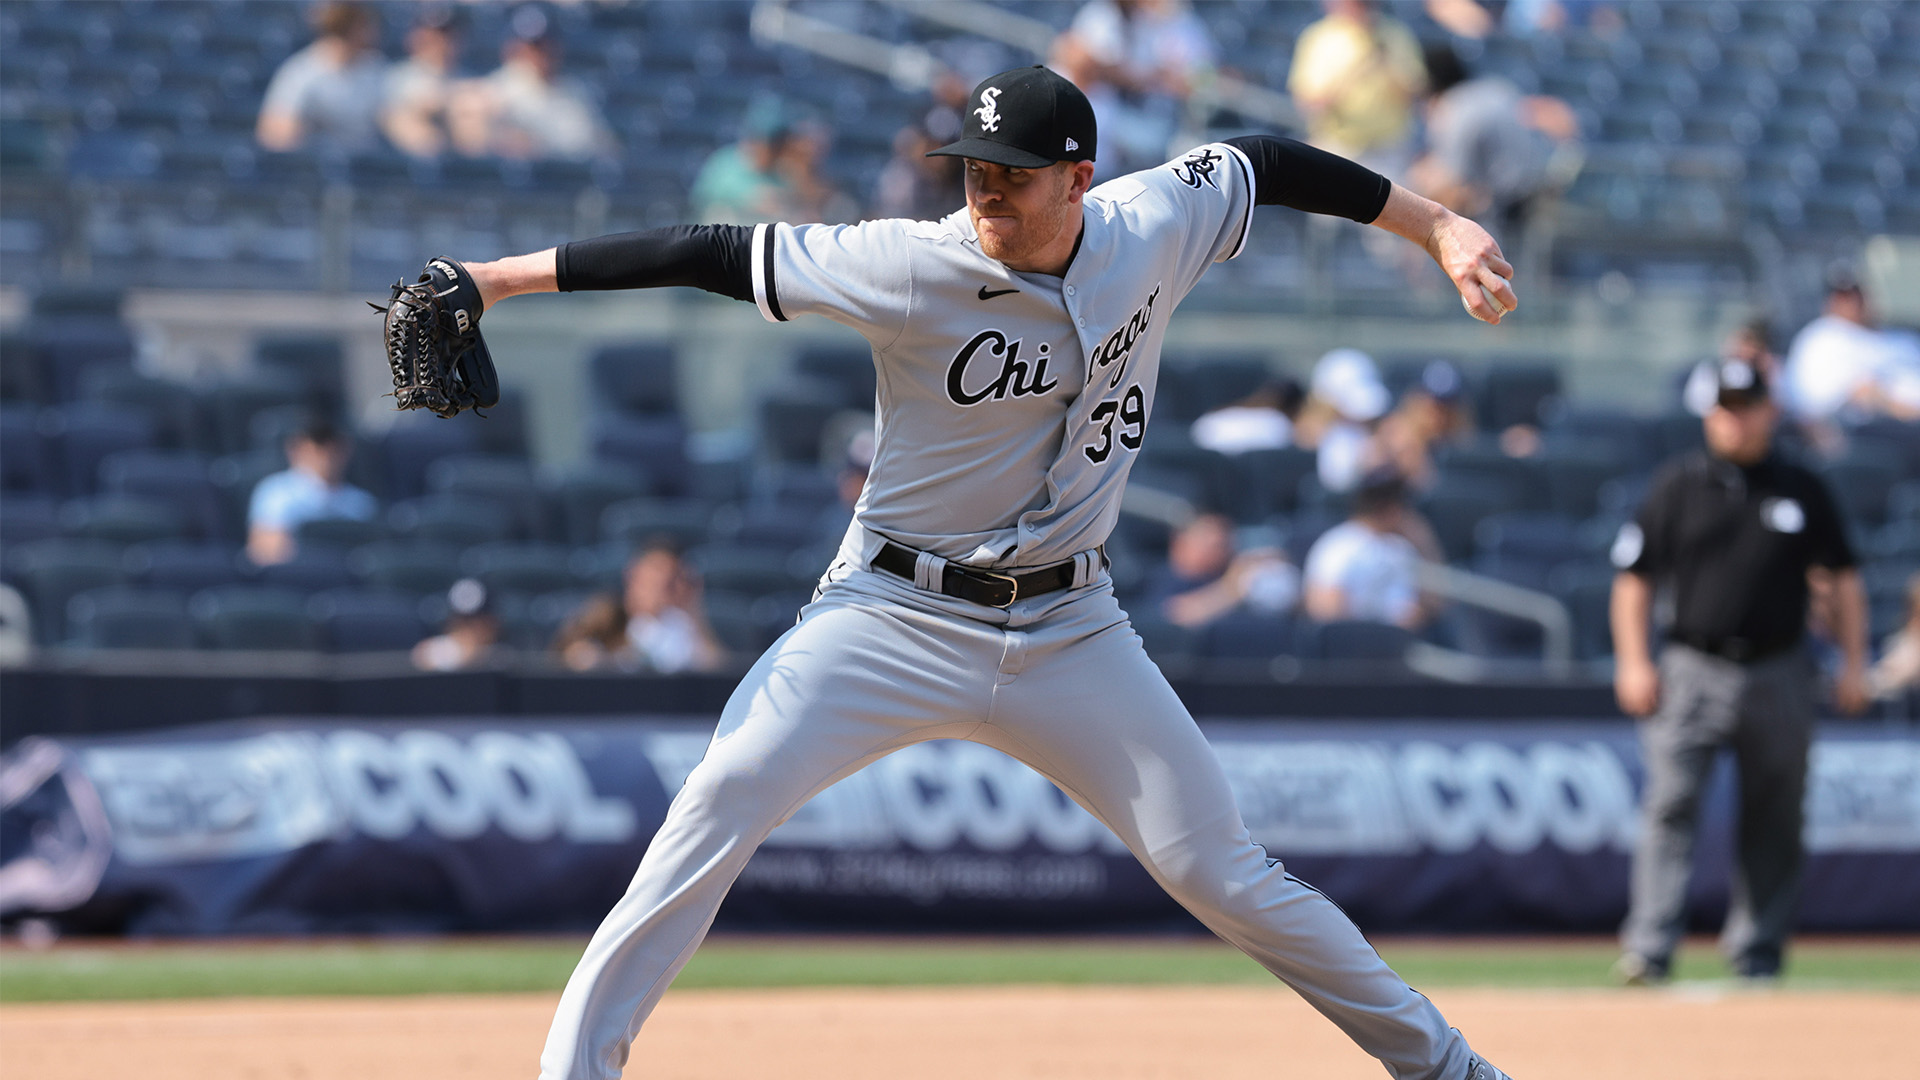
[[717, 258], [1288, 172]]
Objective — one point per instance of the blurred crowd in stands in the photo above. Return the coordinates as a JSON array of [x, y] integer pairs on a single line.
[[1280, 520], [1364, 85]]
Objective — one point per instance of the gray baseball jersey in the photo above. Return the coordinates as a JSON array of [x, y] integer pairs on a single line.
[[1010, 409], [1011, 404]]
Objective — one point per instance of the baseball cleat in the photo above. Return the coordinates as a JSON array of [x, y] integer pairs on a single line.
[[1479, 1069], [1632, 969]]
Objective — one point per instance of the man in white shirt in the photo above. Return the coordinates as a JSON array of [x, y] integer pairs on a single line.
[[314, 486], [525, 109], [1364, 568], [1841, 363]]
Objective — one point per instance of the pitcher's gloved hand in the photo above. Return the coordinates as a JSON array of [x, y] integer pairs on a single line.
[[439, 360]]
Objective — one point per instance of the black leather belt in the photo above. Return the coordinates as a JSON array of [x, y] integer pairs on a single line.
[[988, 587], [1738, 650]]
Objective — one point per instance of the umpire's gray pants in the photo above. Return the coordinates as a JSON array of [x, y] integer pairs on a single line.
[[1764, 713], [1060, 682]]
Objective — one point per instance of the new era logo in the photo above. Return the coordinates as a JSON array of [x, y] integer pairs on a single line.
[[1072, 146]]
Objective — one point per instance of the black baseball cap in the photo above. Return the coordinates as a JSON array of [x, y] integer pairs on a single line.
[[1027, 118], [1738, 383]]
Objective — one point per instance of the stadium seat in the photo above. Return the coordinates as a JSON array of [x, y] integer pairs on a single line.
[[522, 568], [232, 404], [312, 569], [655, 444], [1862, 482], [121, 519], [23, 461], [314, 359], [130, 617], [71, 348], [450, 520], [1243, 635], [732, 618], [1575, 472], [1587, 590], [362, 620], [848, 369], [52, 572], [1190, 388], [185, 565], [1267, 482], [501, 481], [26, 517], [412, 567], [639, 377], [171, 406], [749, 571], [1549, 539], [340, 534], [634, 521], [1352, 639], [1523, 481], [178, 478], [1457, 504], [84, 434], [794, 423], [414, 443], [583, 492], [1169, 644], [254, 618], [1515, 394]]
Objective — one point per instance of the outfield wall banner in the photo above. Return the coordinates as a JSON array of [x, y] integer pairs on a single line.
[[288, 826]]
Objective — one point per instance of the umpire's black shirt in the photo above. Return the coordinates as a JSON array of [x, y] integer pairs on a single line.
[[1735, 542]]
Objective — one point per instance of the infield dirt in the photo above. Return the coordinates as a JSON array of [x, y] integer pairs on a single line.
[[1056, 1033]]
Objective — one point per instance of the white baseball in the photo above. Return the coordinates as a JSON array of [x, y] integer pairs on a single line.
[[1492, 302]]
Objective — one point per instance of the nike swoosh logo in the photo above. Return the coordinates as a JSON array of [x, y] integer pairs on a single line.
[[985, 295]]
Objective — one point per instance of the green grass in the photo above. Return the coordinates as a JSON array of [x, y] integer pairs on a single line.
[[83, 971]]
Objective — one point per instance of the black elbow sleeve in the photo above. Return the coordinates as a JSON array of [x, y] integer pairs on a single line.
[[1288, 172], [717, 258]]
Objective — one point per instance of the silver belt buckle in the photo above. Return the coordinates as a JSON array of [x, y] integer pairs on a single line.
[[1013, 586]]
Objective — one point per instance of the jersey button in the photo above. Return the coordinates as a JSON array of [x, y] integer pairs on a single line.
[[1069, 290], [1082, 322]]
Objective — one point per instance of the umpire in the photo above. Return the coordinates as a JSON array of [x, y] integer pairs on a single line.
[[1732, 534]]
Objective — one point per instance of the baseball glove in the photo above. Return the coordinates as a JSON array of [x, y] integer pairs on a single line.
[[440, 362]]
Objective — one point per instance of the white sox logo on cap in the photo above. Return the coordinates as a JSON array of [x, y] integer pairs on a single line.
[[989, 110]]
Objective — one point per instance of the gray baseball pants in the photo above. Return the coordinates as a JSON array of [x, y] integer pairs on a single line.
[[1060, 682], [1764, 713]]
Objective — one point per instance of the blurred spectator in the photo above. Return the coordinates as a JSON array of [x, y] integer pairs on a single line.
[[1205, 577], [658, 624], [741, 184], [331, 91], [1346, 398], [1525, 17], [526, 109], [1489, 147], [1461, 18], [1137, 61], [16, 627], [1365, 568], [810, 195], [470, 634], [1263, 420], [1355, 76], [311, 488], [913, 185], [1842, 366], [420, 89], [849, 485], [1432, 413], [1898, 670]]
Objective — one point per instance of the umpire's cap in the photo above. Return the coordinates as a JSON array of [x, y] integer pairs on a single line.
[[1027, 118]]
